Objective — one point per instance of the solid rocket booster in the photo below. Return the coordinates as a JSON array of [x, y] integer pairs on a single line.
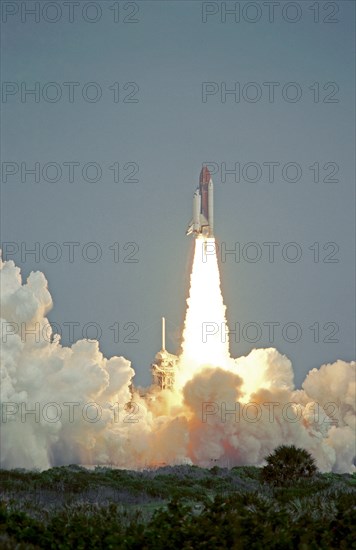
[[211, 207], [203, 206]]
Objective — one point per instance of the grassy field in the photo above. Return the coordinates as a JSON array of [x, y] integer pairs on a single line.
[[173, 507]]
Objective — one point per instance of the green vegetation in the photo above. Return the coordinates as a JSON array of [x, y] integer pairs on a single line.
[[288, 465], [181, 507]]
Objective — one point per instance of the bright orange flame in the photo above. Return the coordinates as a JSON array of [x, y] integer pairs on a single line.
[[205, 335]]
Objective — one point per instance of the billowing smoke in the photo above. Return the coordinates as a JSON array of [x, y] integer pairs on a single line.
[[63, 405]]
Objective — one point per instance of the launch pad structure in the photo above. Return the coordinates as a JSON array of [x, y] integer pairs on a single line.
[[165, 365]]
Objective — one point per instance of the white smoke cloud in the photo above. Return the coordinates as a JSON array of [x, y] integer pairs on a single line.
[[228, 414]]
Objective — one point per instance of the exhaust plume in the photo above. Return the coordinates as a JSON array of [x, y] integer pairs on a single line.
[[63, 405]]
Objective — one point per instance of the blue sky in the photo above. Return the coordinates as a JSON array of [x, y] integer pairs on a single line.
[[167, 134]]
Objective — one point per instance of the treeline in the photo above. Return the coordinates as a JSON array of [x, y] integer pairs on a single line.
[[66, 483], [241, 521], [286, 504]]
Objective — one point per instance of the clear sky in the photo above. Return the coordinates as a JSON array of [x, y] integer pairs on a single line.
[[157, 119]]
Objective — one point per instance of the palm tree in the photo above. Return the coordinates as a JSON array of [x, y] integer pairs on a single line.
[[287, 465]]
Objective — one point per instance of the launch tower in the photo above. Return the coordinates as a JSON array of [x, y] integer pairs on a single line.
[[164, 366]]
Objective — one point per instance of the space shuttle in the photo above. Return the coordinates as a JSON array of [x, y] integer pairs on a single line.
[[203, 206]]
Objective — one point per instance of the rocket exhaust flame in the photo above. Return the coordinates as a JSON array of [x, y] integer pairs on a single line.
[[202, 343]]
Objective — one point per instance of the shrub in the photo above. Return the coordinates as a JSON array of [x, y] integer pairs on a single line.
[[288, 465]]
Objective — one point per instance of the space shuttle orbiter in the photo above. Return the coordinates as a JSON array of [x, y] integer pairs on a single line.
[[203, 206]]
